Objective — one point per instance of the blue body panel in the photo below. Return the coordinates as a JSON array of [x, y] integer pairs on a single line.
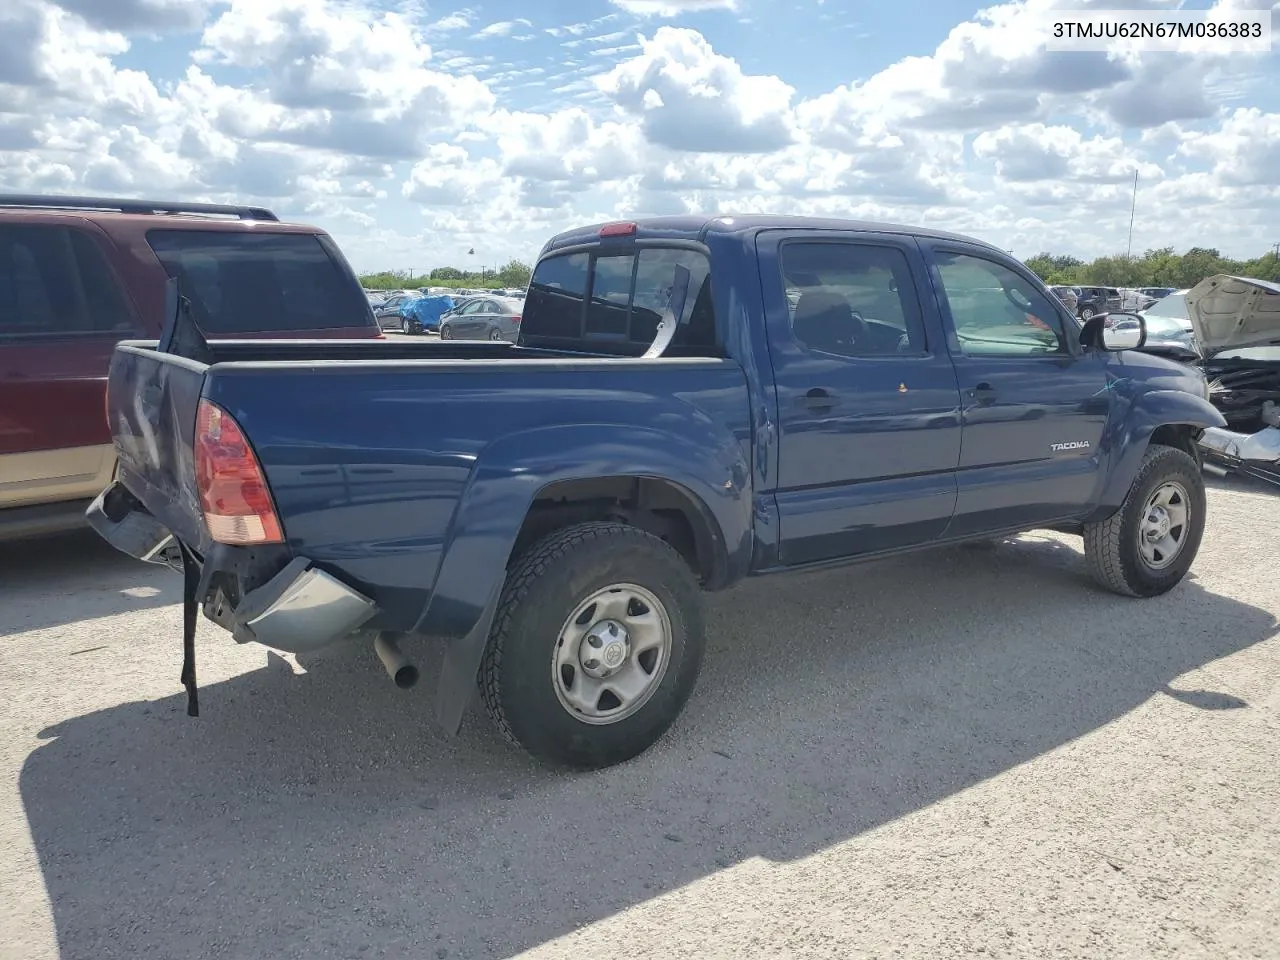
[[408, 468], [400, 463]]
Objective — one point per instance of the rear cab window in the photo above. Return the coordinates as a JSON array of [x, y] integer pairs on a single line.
[[240, 282], [612, 301]]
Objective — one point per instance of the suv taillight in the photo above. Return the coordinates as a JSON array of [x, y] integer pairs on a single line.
[[233, 490], [516, 319]]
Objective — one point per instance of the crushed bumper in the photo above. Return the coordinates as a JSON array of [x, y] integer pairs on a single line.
[[259, 595], [301, 609], [1252, 454]]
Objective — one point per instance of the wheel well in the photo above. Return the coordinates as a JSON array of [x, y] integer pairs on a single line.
[[1179, 435], [660, 507]]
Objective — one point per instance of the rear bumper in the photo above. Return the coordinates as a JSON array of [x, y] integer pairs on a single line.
[[302, 608], [259, 595]]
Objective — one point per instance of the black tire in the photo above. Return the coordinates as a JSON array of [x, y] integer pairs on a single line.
[[495, 334], [1112, 545], [1087, 313], [444, 333], [415, 328], [544, 587]]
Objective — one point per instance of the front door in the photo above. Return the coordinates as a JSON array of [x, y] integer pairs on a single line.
[[1035, 406], [868, 408], [61, 313]]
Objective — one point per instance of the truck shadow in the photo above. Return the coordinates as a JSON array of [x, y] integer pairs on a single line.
[[321, 814], [93, 578]]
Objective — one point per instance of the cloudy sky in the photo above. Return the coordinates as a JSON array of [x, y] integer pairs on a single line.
[[415, 131]]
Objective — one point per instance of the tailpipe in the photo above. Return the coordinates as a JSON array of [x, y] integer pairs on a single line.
[[398, 667]]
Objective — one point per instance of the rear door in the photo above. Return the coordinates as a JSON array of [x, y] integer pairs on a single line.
[[868, 408], [1035, 406], [61, 312]]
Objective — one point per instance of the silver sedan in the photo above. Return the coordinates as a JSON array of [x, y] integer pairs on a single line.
[[484, 318]]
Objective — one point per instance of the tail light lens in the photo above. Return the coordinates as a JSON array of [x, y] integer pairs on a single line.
[[233, 490], [516, 319]]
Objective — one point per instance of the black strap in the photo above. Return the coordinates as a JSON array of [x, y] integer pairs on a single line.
[[190, 607]]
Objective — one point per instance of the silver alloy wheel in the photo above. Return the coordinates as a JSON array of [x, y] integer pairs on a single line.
[[612, 654], [495, 335], [1163, 531]]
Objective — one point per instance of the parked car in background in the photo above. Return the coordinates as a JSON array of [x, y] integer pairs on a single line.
[[1095, 300], [77, 274], [1069, 296], [553, 510], [422, 314], [1156, 293], [1169, 325], [387, 313], [484, 318]]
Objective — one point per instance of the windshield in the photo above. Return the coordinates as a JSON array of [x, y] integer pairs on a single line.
[[259, 282], [1173, 306]]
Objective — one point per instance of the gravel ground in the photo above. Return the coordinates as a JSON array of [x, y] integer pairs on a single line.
[[967, 752]]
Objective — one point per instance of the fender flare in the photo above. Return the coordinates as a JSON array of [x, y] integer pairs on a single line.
[[1149, 412], [701, 457]]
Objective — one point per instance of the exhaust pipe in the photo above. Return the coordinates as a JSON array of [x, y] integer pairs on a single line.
[[399, 669], [1213, 469]]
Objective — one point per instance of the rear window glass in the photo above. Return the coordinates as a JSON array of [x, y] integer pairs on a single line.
[[260, 282], [605, 302]]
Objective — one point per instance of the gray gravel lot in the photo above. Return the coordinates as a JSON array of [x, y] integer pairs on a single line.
[[968, 752]]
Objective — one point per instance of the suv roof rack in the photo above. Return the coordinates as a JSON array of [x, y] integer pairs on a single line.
[[38, 201]]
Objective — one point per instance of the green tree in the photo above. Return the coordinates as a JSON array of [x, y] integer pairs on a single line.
[[447, 273], [515, 274]]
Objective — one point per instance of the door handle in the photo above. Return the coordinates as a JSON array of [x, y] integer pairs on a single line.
[[818, 399], [984, 393]]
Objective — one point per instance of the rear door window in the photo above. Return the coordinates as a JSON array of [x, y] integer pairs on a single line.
[[56, 282], [260, 282], [612, 302]]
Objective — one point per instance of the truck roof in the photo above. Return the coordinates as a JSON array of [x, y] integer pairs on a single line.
[[697, 226]]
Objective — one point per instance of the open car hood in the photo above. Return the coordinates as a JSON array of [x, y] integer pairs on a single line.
[[1229, 313]]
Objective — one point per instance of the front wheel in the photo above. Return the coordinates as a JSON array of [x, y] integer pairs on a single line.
[[1147, 546], [495, 334], [444, 333], [1087, 313], [595, 647]]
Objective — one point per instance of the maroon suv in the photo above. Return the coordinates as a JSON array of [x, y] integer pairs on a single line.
[[78, 274]]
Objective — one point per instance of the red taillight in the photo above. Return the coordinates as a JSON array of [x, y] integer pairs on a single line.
[[618, 229], [233, 491], [516, 320]]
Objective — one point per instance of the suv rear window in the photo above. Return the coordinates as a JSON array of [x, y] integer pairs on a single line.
[[258, 282], [612, 302]]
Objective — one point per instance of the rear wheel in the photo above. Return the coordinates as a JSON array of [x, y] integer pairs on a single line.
[[596, 645], [444, 332], [495, 335], [1087, 313], [1147, 546]]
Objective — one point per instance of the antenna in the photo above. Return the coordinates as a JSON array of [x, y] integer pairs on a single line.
[[1128, 254]]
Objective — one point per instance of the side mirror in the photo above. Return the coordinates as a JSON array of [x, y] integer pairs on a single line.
[[1114, 332]]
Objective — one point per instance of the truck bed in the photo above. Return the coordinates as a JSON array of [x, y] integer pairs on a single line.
[[369, 446]]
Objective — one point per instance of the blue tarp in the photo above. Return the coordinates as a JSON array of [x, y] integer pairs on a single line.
[[427, 310]]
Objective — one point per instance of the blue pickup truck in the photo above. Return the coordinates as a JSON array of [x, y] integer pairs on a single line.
[[691, 401]]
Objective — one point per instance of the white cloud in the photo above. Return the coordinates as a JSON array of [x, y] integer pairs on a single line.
[[689, 97], [503, 28], [340, 111], [672, 8]]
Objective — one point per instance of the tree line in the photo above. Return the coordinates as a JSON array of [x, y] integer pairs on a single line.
[[1155, 268], [515, 274]]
